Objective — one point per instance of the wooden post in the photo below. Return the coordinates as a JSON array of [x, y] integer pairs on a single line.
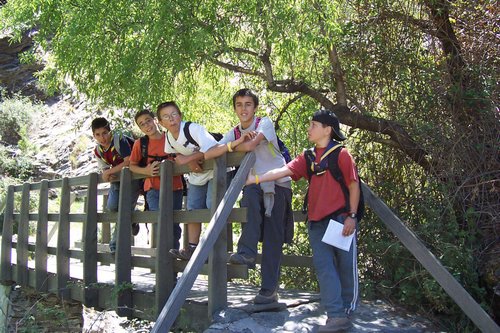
[[165, 274], [8, 222], [23, 237], [454, 289], [123, 249], [90, 292], [217, 270], [200, 255], [62, 260], [105, 227], [41, 238]]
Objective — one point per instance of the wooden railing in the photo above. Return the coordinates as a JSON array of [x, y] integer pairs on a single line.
[[168, 297]]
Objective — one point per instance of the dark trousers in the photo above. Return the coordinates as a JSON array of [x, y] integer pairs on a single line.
[[270, 229]]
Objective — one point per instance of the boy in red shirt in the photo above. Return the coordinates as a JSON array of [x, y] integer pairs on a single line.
[[336, 269], [148, 124]]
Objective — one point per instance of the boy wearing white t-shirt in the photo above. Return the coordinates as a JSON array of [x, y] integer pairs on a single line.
[[188, 151]]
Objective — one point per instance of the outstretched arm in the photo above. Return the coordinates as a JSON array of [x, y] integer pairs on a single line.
[[268, 176], [114, 172], [231, 146], [151, 170], [350, 223]]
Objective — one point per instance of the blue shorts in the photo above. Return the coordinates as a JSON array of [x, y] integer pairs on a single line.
[[199, 196]]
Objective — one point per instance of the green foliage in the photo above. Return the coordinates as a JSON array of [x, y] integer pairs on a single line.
[[387, 268], [397, 76], [15, 118], [19, 166]]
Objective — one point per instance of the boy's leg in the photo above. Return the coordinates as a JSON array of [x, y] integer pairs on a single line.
[[326, 271], [274, 237], [197, 198], [348, 270], [153, 198], [250, 233], [177, 227], [272, 246], [112, 206]]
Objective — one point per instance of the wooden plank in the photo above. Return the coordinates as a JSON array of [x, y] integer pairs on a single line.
[[62, 260], [217, 223], [105, 227], [192, 216], [165, 276], [217, 275], [8, 223], [22, 237], [123, 242], [42, 238], [90, 243], [463, 299]]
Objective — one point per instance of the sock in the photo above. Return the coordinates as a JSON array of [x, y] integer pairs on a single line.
[[193, 245]]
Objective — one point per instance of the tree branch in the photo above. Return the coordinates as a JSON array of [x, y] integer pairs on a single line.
[[238, 69]]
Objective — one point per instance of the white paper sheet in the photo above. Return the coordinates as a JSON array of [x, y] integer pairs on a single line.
[[333, 236]]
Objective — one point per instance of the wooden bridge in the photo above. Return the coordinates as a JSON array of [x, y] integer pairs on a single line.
[[77, 273]]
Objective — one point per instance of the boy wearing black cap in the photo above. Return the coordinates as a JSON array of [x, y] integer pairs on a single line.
[[336, 269]]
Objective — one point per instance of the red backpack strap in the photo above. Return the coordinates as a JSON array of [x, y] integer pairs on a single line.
[[237, 132]]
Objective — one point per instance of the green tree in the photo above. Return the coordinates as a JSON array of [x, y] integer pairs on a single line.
[[419, 77]]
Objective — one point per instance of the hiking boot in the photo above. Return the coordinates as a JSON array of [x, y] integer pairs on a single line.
[[112, 249], [266, 296], [135, 229], [335, 324], [241, 259], [183, 254]]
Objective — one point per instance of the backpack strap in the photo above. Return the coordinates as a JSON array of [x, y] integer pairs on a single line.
[[116, 143], [310, 157], [237, 132], [144, 151], [333, 166], [188, 135]]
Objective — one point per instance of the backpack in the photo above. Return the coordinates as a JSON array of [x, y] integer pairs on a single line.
[[144, 153], [116, 145], [144, 160], [333, 166], [217, 136], [281, 145]]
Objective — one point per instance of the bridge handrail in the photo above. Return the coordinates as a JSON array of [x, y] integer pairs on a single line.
[[470, 307]]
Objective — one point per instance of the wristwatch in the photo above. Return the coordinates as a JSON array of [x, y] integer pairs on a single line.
[[352, 215]]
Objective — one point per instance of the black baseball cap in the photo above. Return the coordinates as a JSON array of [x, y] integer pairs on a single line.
[[329, 118]]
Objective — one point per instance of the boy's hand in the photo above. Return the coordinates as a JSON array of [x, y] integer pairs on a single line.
[[107, 175], [195, 166], [250, 179], [246, 137], [349, 226], [154, 168]]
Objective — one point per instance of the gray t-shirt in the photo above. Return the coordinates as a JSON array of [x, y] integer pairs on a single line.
[[267, 153]]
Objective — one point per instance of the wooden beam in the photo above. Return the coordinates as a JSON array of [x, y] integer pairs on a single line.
[[454, 289], [165, 275], [217, 275], [8, 223], [22, 237], [177, 298], [62, 259], [42, 238], [90, 293], [123, 266]]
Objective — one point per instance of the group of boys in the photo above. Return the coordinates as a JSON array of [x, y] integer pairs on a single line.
[[267, 194]]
